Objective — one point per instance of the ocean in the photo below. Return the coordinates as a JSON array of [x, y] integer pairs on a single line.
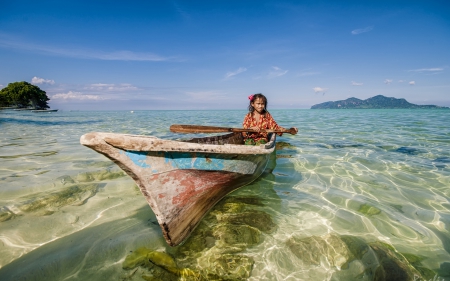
[[355, 195]]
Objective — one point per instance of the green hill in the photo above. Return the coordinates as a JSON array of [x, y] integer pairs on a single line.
[[370, 103]]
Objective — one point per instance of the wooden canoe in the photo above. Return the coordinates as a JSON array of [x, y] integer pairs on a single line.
[[183, 180]]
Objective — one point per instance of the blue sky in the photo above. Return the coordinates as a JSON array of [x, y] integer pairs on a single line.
[[133, 55]]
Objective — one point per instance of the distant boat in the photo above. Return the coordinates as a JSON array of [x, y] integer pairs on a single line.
[[183, 180], [44, 110]]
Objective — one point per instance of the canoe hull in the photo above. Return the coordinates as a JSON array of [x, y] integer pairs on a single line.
[[182, 181]]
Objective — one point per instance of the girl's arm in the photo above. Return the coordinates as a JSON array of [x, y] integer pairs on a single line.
[[272, 124], [246, 123]]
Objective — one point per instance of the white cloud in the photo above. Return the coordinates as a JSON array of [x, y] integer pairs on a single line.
[[319, 90], [100, 85], [234, 73], [427, 70], [401, 81], [127, 56], [277, 72], [362, 30], [356, 83], [111, 87], [37, 80], [120, 55], [76, 96], [388, 81], [412, 83]]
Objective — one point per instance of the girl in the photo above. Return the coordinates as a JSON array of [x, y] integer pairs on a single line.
[[259, 119]]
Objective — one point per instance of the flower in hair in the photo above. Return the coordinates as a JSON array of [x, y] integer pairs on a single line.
[[250, 97]]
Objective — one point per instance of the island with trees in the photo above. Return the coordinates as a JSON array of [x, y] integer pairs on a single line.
[[376, 102], [23, 95]]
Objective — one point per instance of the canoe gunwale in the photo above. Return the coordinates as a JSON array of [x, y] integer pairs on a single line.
[[149, 143]]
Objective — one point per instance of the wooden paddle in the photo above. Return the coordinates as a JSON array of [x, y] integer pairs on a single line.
[[178, 128]]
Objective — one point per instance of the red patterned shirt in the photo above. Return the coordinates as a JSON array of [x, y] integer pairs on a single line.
[[265, 122]]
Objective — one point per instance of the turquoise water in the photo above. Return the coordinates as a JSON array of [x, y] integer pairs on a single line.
[[354, 191]]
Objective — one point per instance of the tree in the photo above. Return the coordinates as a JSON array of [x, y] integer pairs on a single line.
[[22, 95], [3, 100]]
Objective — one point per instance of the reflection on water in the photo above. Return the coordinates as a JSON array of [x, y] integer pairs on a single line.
[[355, 195]]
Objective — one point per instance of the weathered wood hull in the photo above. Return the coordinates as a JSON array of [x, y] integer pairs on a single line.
[[183, 180]]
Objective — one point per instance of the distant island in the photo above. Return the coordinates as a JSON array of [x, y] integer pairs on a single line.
[[378, 102]]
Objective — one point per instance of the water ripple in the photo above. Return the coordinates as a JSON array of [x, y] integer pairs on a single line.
[[373, 177]]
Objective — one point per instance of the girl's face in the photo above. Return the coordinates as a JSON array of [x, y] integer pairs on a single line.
[[258, 104]]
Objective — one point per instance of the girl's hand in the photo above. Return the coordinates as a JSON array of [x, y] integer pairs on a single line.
[[256, 129], [293, 130]]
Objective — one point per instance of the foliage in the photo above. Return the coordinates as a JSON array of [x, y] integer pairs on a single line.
[[23, 95], [3, 100]]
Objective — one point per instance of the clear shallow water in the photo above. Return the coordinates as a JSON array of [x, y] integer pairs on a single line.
[[379, 179]]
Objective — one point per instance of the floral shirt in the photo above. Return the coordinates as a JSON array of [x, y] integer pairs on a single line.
[[266, 121]]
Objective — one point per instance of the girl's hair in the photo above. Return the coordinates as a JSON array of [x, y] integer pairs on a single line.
[[253, 98]]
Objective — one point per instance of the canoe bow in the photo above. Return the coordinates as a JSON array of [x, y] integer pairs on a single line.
[[183, 180]]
